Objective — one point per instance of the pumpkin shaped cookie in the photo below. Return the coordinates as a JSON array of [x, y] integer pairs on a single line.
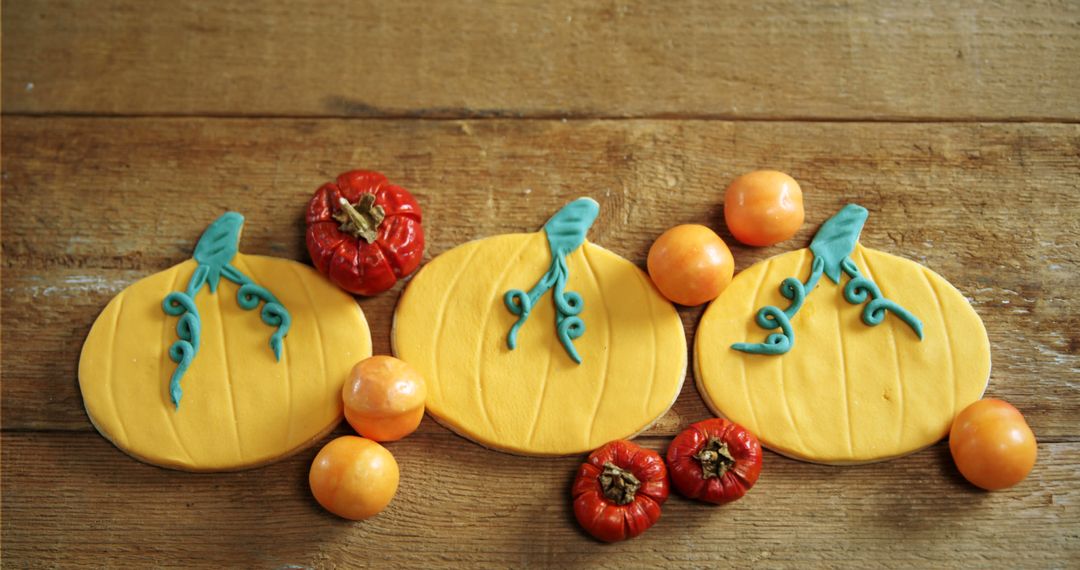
[[541, 343], [223, 362], [871, 362]]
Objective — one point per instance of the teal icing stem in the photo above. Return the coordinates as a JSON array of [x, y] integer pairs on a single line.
[[565, 233], [832, 248], [214, 252], [860, 287]]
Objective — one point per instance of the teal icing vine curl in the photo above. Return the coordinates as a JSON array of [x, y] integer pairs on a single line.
[[831, 247], [273, 313], [860, 287], [214, 252], [770, 317], [184, 349], [565, 233]]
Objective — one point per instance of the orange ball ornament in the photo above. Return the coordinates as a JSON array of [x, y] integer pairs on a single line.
[[763, 207], [353, 477], [384, 398], [992, 444], [690, 264]]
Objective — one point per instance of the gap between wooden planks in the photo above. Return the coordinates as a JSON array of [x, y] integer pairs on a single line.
[[778, 59]]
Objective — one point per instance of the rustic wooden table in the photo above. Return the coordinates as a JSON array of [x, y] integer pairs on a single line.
[[129, 125]]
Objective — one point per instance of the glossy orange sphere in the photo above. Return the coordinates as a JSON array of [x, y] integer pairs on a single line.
[[353, 477], [992, 444], [763, 207], [690, 264], [384, 398]]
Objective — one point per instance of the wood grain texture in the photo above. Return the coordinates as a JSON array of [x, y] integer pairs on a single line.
[[91, 205], [123, 198], [954, 123], [616, 58], [107, 510]]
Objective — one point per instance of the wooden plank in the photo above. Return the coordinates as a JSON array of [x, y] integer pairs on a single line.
[[74, 500], [91, 205], [775, 59]]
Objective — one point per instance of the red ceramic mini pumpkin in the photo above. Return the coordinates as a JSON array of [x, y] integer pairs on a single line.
[[363, 232]]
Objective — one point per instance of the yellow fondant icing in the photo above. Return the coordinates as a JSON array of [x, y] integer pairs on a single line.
[[241, 407], [451, 324], [845, 392]]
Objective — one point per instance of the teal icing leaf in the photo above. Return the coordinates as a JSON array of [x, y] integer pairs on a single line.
[[832, 248], [214, 252], [567, 228], [837, 238], [565, 232], [218, 245]]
